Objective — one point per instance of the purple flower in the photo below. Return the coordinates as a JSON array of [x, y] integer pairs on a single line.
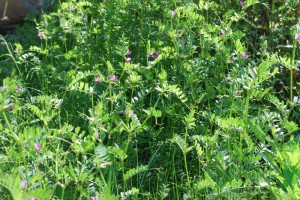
[[23, 184], [173, 13], [245, 55], [157, 54], [10, 108], [32, 198], [128, 52], [242, 3], [37, 146], [84, 19], [41, 35], [97, 80], [131, 113], [95, 197], [222, 32], [297, 36], [127, 60], [237, 92], [18, 89], [113, 78], [151, 55]]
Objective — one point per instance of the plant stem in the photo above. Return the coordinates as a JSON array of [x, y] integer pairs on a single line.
[[291, 71]]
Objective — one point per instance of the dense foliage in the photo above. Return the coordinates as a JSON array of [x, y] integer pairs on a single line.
[[128, 99]]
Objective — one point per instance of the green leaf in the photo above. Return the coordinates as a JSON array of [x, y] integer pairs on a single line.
[[290, 126], [134, 171], [209, 180], [71, 173], [189, 120], [259, 133], [155, 113], [239, 47], [180, 142]]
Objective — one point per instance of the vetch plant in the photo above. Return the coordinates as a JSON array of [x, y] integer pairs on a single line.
[[151, 100]]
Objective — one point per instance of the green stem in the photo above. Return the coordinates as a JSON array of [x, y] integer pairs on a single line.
[[291, 71], [13, 134], [186, 168], [11, 54], [185, 160]]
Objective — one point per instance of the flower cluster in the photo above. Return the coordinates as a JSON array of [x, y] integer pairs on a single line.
[[245, 55], [128, 59], [113, 78], [41, 35], [154, 55], [37, 146]]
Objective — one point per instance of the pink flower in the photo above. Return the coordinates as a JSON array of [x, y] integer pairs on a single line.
[[131, 113], [23, 184], [222, 32], [173, 13], [113, 77], [41, 35], [157, 54], [97, 80], [242, 3], [127, 60], [18, 89], [237, 92], [32, 198], [95, 197], [128, 52], [37, 146], [151, 55], [245, 56], [297, 36]]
